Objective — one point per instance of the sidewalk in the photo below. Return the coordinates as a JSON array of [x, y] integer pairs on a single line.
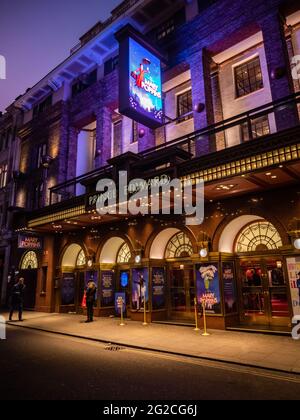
[[257, 350]]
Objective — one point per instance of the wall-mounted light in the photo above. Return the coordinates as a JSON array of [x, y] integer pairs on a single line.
[[203, 253], [138, 259], [98, 153], [90, 262], [200, 107], [142, 133], [181, 267], [46, 161], [297, 243]]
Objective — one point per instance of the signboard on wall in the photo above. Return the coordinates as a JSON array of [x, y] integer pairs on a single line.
[[140, 288], [107, 288], [158, 288], [140, 85], [293, 267], [208, 287], [229, 285], [30, 242]]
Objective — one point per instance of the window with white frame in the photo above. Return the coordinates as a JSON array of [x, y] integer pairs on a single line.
[[248, 77]]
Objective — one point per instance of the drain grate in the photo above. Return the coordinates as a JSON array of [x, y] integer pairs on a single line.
[[113, 347]]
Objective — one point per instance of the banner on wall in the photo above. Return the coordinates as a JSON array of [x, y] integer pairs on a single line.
[[229, 284], [208, 287], [140, 83], [107, 288], [293, 267], [140, 288], [30, 242], [68, 289], [158, 288]]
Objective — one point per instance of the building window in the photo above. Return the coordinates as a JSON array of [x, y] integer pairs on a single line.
[[124, 254], [81, 259], [110, 65], [248, 77], [117, 137], [169, 26], [38, 196], [259, 127], [258, 236], [41, 152], [84, 82], [42, 107], [3, 176], [29, 261], [184, 106], [180, 246]]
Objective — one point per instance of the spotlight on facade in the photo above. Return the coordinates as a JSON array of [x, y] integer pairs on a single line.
[[199, 107], [142, 133], [46, 161], [138, 259], [203, 253], [278, 73], [297, 243], [98, 153]]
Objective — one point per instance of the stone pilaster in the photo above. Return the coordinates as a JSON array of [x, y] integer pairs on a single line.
[[103, 136]]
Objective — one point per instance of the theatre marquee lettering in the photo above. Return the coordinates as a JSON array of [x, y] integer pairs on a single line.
[[139, 185]]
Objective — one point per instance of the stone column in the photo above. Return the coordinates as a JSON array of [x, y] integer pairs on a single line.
[[103, 136], [200, 66], [276, 51]]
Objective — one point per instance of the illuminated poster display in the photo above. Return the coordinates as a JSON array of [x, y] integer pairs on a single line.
[[140, 82], [140, 289], [107, 288], [293, 267], [230, 292], [208, 287], [68, 289], [158, 288]]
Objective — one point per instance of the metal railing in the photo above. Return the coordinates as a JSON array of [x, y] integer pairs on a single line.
[[222, 135]]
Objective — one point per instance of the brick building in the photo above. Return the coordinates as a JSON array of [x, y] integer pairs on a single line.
[[231, 109]]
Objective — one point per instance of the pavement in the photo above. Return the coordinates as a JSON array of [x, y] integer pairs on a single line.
[[279, 353]]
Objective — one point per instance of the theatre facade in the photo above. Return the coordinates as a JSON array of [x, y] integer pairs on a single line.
[[225, 111]]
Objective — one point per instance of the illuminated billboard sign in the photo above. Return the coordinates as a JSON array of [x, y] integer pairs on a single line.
[[140, 82]]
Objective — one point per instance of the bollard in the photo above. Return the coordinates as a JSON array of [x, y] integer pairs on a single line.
[[205, 334], [196, 315], [145, 312], [120, 305]]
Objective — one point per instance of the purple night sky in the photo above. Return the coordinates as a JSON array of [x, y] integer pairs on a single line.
[[36, 35]]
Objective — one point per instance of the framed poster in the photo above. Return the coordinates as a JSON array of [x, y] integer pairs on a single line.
[[158, 288], [140, 288], [293, 268], [68, 289], [107, 288], [208, 287], [229, 286]]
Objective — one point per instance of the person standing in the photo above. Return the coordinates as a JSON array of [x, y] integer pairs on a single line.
[[90, 300], [298, 283], [17, 299]]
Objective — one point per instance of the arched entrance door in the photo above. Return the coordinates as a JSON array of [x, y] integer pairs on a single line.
[[28, 270], [262, 284], [182, 288]]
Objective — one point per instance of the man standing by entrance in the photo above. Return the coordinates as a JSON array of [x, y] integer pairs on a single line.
[[298, 283], [17, 299]]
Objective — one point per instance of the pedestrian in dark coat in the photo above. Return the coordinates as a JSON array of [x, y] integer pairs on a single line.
[[17, 299], [90, 300]]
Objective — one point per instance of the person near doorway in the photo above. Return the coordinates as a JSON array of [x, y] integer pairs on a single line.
[[17, 299], [91, 291]]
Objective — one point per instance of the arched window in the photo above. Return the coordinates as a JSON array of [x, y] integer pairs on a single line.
[[179, 246], [258, 236], [81, 260], [29, 261], [124, 254]]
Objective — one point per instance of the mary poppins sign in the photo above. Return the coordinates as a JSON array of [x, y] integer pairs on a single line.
[[140, 87], [29, 242]]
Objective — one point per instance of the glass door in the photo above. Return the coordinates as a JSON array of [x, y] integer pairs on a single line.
[[264, 296], [182, 293]]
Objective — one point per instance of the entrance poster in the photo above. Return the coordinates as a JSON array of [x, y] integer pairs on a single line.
[[229, 284], [68, 289], [293, 267], [158, 288], [107, 288], [91, 276], [140, 288], [208, 287]]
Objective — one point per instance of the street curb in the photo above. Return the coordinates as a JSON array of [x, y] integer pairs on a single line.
[[173, 353]]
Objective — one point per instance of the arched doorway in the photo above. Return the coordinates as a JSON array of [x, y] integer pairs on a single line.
[[263, 288], [28, 270], [73, 267]]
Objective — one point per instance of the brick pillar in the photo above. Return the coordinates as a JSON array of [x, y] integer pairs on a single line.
[[277, 57], [148, 141], [200, 65], [103, 136], [218, 108], [72, 152]]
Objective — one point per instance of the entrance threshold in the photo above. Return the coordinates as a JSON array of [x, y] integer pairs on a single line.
[[180, 323], [261, 329]]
